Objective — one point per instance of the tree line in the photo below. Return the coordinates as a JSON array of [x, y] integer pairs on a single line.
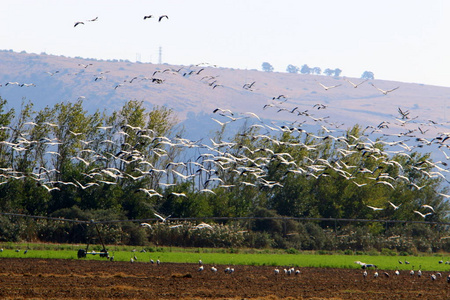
[[63, 161], [305, 69]]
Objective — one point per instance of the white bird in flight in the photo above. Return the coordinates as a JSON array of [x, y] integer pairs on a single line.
[[422, 215], [394, 206], [428, 206], [161, 217], [146, 225], [203, 225], [375, 208], [354, 84], [383, 91], [328, 87], [178, 194]]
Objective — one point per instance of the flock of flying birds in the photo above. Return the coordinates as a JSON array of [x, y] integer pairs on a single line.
[[400, 136], [160, 18], [213, 157], [216, 156]]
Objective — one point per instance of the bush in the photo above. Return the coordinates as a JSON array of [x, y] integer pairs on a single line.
[[10, 231], [422, 245], [292, 251], [317, 237], [388, 252], [268, 225], [133, 235], [258, 240]]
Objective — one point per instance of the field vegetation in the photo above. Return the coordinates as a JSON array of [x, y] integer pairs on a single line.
[[102, 172], [219, 256]]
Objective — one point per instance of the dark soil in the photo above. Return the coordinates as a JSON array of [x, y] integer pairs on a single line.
[[85, 279]]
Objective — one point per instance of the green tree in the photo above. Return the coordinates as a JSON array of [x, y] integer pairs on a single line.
[[337, 72], [292, 69], [266, 67], [316, 70], [328, 72], [367, 75], [305, 69]]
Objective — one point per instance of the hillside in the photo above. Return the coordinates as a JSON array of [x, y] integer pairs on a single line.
[[195, 91], [294, 157]]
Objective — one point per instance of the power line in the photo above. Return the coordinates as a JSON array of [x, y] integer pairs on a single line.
[[46, 218], [225, 219]]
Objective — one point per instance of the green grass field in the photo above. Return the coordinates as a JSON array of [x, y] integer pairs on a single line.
[[228, 256]]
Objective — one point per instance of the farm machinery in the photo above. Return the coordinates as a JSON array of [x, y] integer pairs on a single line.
[[82, 253]]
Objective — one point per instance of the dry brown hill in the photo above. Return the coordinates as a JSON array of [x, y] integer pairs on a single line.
[[195, 91]]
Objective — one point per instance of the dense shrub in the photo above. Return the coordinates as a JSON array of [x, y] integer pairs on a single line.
[[258, 240], [279, 233], [10, 230], [186, 234], [267, 225]]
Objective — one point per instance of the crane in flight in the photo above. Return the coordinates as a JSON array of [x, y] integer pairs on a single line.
[[355, 85], [326, 88], [383, 91]]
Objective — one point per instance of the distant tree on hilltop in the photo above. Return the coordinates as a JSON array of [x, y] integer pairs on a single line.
[[267, 67], [337, 72], [305, 69], [367, 75], [292, 69], [316, 70], [328, 72]]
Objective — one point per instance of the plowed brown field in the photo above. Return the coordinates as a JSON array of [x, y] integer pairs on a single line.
[[84, 279]]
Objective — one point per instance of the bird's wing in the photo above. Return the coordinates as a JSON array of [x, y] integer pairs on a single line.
[[350, 82], [428, 206], [374, 208], [392, 89], [383, 91], [325, 87], [361, 82], [420, 214], [159, 217]]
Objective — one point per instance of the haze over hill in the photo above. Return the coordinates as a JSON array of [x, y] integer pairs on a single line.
[[193, 92]]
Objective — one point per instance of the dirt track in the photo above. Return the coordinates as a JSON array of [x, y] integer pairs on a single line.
[[82, 279]]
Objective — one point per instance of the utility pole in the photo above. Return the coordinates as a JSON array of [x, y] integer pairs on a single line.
[[160, 55]]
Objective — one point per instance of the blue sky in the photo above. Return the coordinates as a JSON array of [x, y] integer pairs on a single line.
[[396, 40]]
